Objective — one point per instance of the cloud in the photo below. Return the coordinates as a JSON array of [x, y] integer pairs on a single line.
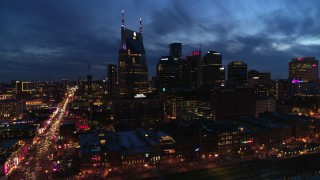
[[173, 18], [281, 47], [234, 46], [307, 41], [41, 38]]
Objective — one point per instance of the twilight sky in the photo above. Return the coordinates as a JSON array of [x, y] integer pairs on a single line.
[[58, 39]]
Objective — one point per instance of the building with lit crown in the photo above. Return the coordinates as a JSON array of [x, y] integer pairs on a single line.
[[193, 72], [237, 73], [167, 73], [304, 69], [212, 71], [132, 65]]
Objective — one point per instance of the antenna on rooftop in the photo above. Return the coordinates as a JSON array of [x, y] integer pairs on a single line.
[[89, 68], [140, 25]]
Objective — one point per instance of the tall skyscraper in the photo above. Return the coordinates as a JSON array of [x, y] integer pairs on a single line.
[[167, 73], [89, 84], [237, 73], [183, 73], [175, 50], [193, 69], [281, 89], [304, 69], [213, 72], [112, 78], [132, 65], [89, 81]]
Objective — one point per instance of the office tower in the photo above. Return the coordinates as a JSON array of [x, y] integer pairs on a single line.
[[23, 90], [89, 84], [167, 73], [183, 74], [89, 81], [112, 78], [213, 72], [237, 73], [138, 111], [304, 69], [193, 65], [235, 101], [11, 109], [281, 89], [186, 103], [132, 65], [259, 78], [175, 50], [261, 81]]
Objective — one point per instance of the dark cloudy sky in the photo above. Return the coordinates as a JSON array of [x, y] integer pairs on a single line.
[[41, 39]]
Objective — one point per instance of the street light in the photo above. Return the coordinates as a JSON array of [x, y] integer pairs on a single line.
[[47, 174]]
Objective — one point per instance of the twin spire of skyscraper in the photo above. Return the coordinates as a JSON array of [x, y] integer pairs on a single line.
[[123, 31], [140, 25], [132, 66], [122, 25]]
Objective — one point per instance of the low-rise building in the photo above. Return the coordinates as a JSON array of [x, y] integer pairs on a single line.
[[124, 148], [12, 153], [10, 109]]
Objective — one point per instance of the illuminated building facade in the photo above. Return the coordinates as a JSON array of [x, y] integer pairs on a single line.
[[304, 69], [132, 65], [261, 81], [10, 109], [302, 126], [34, 103], [127, 148], [139, 111], [193, 65], [280, 89], [167, 73], [17, 131], [81, 123], [237, 73], [23, 89], [186, 104], [7, 91], [12, 152], [183, 73], [219, 137], [90, 152], [253, 132], [89, 84], [194, 110], [259, 78], [112, 76], [309, 89], [212, 71], [123, 149]]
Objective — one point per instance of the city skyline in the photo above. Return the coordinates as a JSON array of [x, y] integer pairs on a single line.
[[43, 40]]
